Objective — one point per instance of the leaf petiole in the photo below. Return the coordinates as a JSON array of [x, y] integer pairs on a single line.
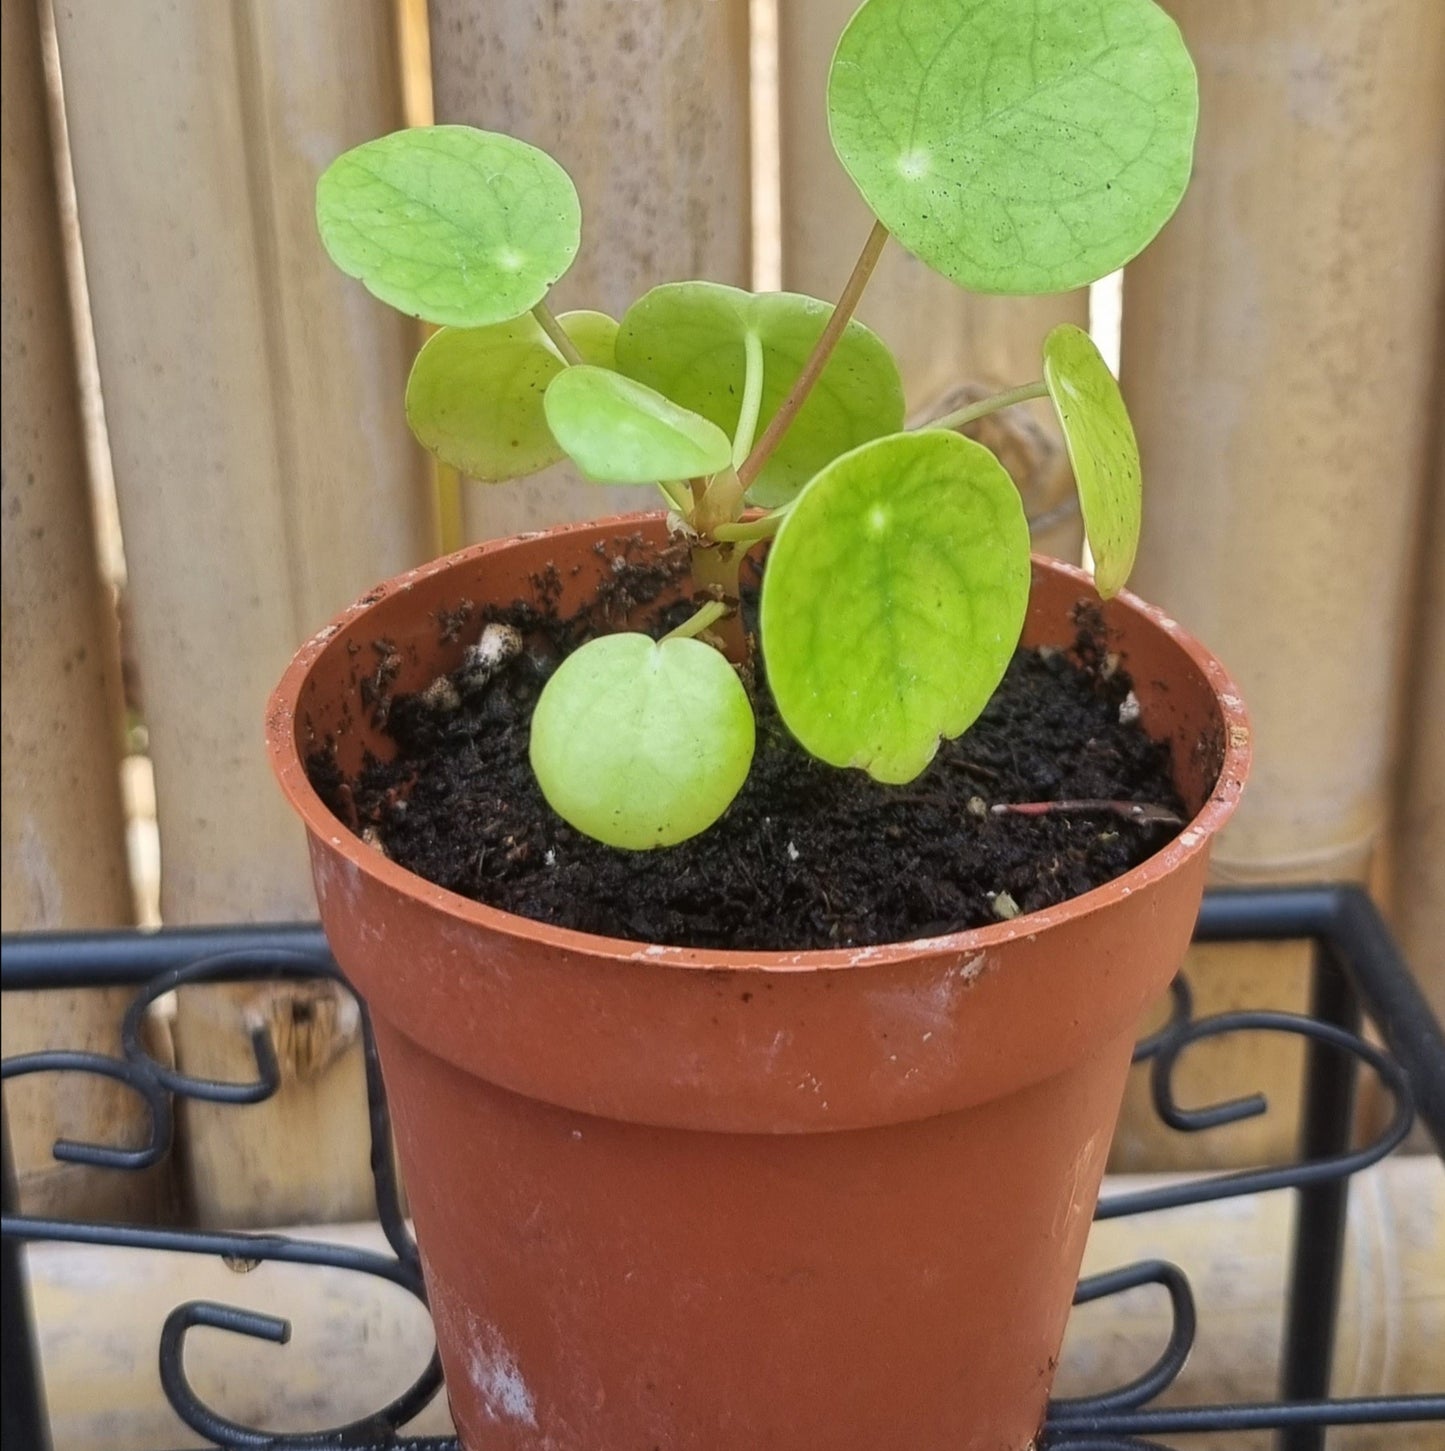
[[678, 496], [707, 614], [961, 417], [752, 398], [554, 330], [818, 359], [749, 531]]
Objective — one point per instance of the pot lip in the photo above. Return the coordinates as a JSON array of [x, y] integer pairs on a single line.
[[290, 771]]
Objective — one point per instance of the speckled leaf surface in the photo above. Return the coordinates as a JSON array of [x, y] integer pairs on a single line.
[[450, 224], [1016, 146], [893, 599]]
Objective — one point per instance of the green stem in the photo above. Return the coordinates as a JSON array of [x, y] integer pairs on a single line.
[[751, 530], [709, 613], [752, 398], [961, 416], [554, 330], [818, 358], [678, 496]]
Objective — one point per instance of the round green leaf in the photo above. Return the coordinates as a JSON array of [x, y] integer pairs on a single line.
[[1016, 147], [893, 599], [474, 397], [689, 340], [1102, 449], [450, 224], [641, 743], [618, 431]]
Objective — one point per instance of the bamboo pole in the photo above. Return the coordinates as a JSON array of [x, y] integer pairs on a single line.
[[1419, 859], [264, 472], [64, 838], [645, 102], [1278, 354], [945, 339]]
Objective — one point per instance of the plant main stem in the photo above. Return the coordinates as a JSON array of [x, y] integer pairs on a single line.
[[555, 331], [818, 358], [961, 416], [715, 572]]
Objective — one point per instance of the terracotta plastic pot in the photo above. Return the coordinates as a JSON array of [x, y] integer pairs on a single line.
[[697, 1201]]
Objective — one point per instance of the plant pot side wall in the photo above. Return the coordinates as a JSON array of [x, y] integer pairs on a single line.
[[696, 1200]]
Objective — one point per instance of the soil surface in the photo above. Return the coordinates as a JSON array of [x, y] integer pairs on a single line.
[[807, 856]]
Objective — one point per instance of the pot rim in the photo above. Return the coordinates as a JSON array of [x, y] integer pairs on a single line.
[[290, 771]]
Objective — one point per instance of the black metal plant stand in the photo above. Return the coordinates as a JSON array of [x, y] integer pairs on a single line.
[[1358, 971]]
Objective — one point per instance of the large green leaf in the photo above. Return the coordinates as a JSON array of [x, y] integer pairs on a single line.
[[642, 744], [1102, 449], [619, 431], [1016, 145], [893, 599], [450, 224], [691, 341], [474, 397]]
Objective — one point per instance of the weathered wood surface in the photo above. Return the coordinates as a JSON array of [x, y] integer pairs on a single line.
[[1279, 354], [64, 841], [645, 102], [264, 471]]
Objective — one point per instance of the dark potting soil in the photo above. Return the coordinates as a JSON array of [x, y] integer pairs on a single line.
[[807, 856]]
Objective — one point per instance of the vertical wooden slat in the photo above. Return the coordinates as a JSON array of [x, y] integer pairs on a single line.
[[264, 473], [64, 841], [1278, 354], [943, 337], [1419, 857], [645, 102]]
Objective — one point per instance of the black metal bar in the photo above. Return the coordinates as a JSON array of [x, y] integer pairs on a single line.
[[1395, 1003], [1344, 915], [1266, 914], [1252, 1416], [23, 1422], [119, 959], [1313, 1300]]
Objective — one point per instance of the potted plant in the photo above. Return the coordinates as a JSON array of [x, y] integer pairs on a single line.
[[756, 900]]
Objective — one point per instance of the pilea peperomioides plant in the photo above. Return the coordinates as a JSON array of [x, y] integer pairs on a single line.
[[1013, 146]]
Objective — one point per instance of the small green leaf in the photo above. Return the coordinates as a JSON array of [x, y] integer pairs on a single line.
[[641, 743], [618, 431], [893, 599], [689, 341], [1102, 449], [1016, 147], [474, 397], [450, 224], [595, 335]]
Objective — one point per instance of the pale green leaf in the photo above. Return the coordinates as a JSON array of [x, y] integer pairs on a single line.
[[689, 340], [1102, 449], [619, 431], [642, 744], [893, 600], [475, 395], [450, 224], [1016, 147]]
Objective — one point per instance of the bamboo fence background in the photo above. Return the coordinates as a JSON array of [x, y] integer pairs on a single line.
[[1281, 352]]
